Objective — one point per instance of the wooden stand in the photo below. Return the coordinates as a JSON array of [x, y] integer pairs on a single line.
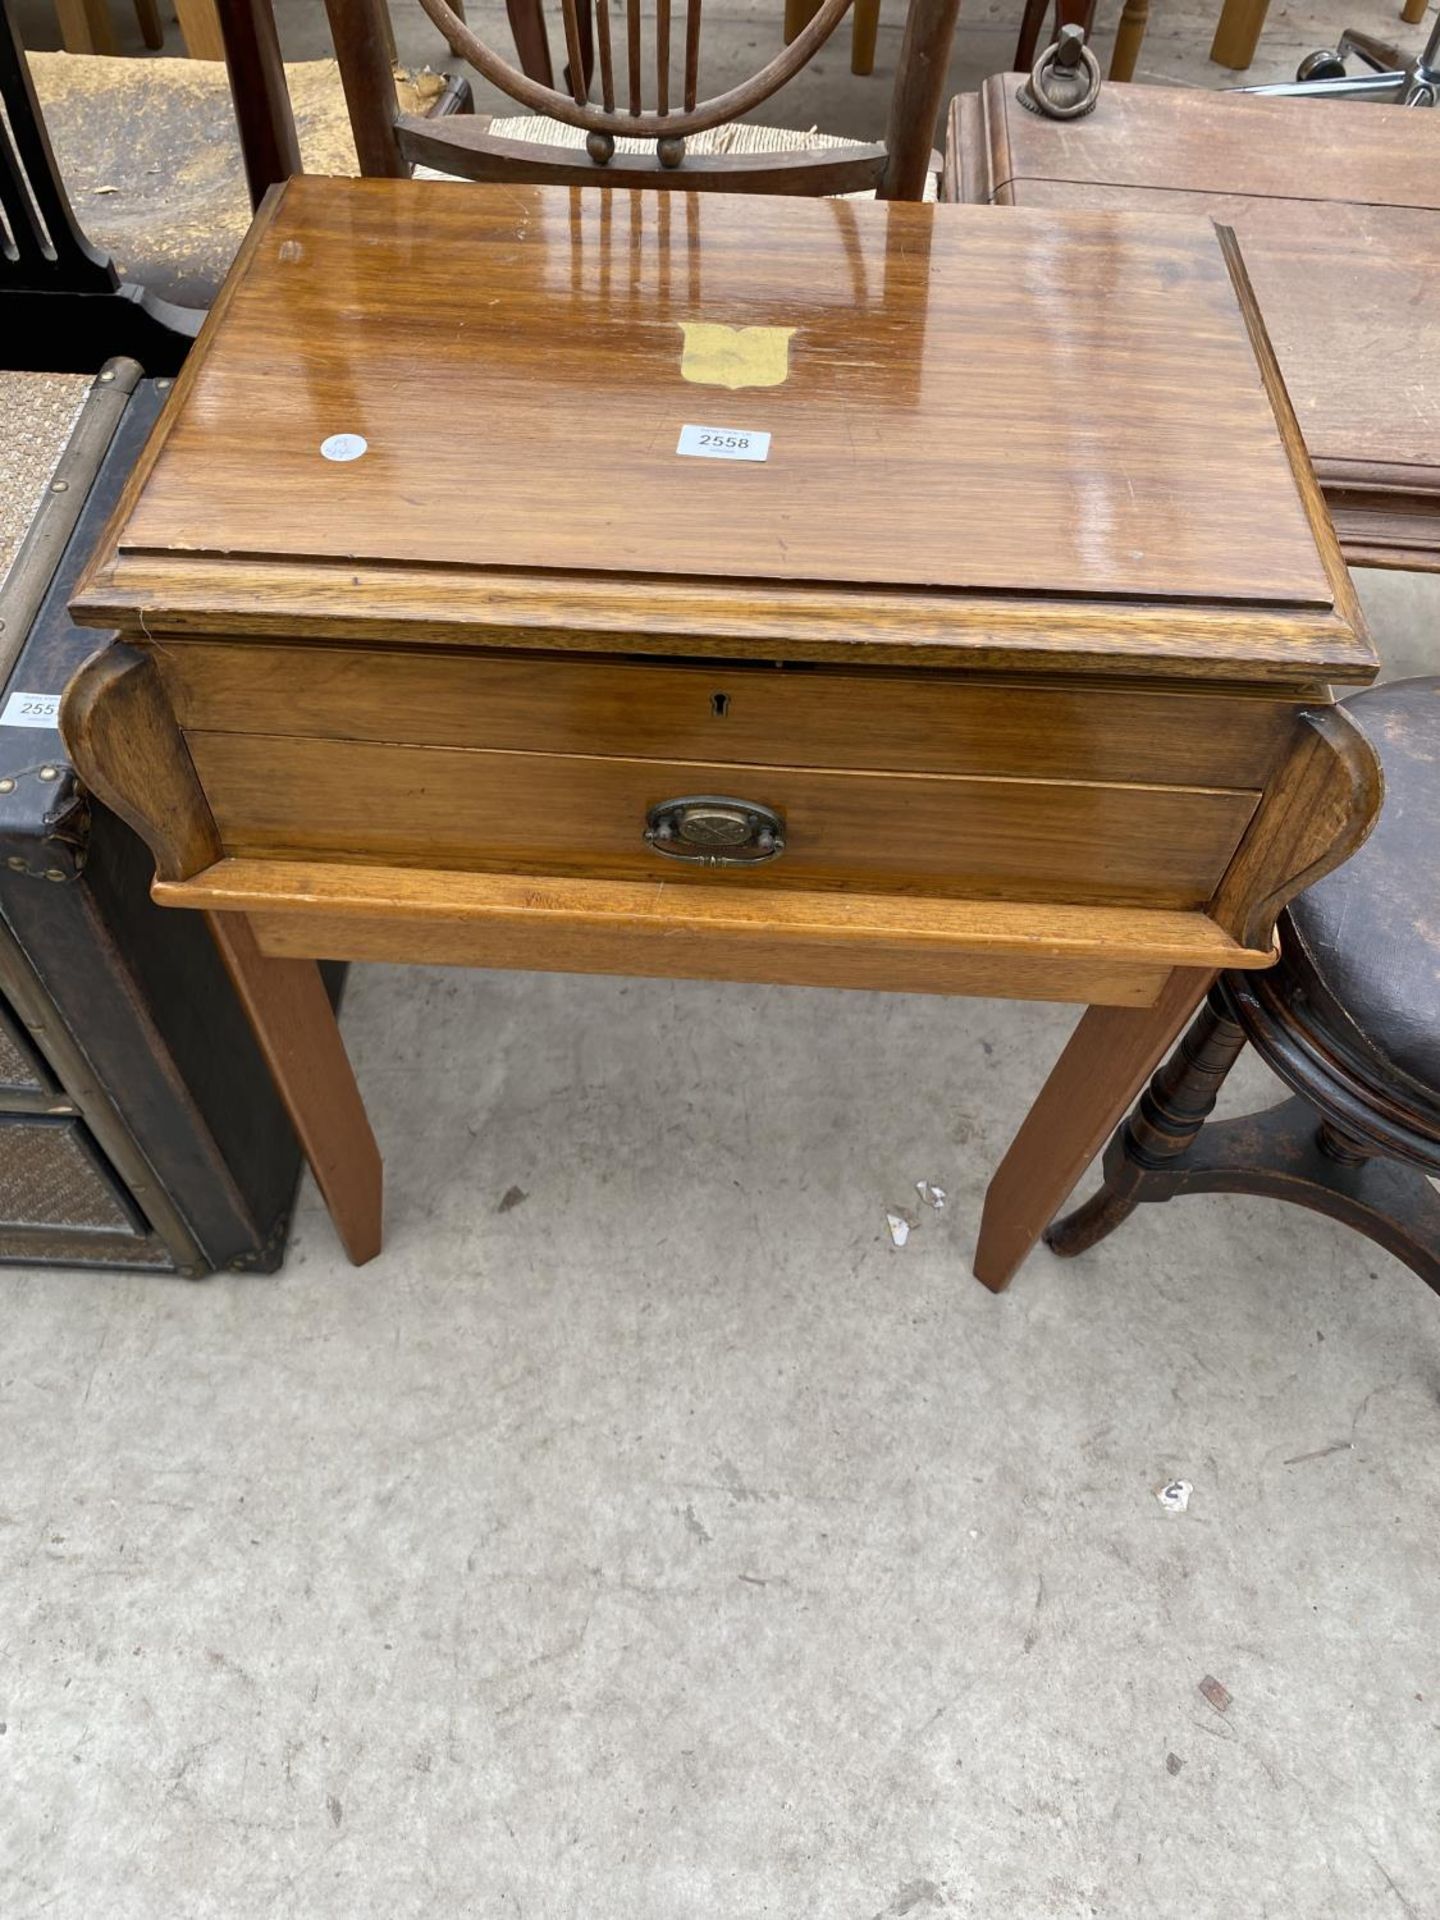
[[355, 722]]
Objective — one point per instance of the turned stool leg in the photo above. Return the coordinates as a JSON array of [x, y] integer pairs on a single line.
[[1129, 38], [1032, 22], [1172, 1110]]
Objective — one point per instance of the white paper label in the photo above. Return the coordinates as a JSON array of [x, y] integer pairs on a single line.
[[344, 446], [31, 710], [724, 443]]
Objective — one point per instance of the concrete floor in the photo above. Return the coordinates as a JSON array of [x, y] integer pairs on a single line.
[[644, 1537]]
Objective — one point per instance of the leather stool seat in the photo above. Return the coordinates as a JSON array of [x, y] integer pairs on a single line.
[[1363, 944]]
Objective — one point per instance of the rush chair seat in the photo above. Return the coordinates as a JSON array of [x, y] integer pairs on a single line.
[[1349, 1019]]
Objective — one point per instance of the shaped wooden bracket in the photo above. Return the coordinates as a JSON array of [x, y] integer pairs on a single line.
[[122, 735], [1310, 820]]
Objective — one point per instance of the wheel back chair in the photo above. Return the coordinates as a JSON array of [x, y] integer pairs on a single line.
[[635, 114], [1349, 1019]]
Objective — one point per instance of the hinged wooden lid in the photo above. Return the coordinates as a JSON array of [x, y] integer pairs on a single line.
[[964, 405]]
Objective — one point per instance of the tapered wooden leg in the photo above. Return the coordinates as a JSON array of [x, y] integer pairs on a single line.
[[1110, 1054], [1413, 12], [85, 26], [200, 29], [1238, 33], [864, 25], [1172, 1111], [152, 30], [290, 1012], [1032, 22], [1129, 38], [798, 15]]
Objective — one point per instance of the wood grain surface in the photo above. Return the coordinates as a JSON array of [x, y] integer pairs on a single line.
[[728, 713], [1338, 216], [548, 813], [971, 405], [1111, 956]]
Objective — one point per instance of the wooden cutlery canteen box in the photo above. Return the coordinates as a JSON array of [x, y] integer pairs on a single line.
[[821, 592]]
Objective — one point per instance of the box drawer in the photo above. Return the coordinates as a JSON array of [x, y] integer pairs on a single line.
[[580, 814], [728, 713]]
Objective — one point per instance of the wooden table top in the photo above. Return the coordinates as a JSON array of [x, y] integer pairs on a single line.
[[1337, 210], [962, 411]]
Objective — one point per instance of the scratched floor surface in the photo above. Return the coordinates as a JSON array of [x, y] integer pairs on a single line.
[[643, 1536]]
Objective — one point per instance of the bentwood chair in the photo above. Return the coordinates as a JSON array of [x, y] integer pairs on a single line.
[[637, 115]]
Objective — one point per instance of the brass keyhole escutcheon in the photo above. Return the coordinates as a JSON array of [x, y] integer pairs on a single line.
[[711, 830]]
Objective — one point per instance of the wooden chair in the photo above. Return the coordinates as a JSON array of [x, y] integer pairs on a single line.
[[649, 125], [1349, 1019]]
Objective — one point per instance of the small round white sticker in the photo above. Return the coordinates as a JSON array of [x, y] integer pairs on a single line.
[[344, 446]]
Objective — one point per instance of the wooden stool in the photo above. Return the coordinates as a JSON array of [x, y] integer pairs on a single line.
[[1349, 1019]]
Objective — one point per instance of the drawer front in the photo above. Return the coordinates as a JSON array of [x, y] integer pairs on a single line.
[[729, 715], [579, 814]]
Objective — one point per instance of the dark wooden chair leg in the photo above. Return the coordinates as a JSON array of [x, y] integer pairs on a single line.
[[532, 42], [269, 145], [1032, 22], [1092, 1083], [1172, 1110]]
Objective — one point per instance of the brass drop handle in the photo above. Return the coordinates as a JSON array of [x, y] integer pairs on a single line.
[[709, 830], [1064, 83]]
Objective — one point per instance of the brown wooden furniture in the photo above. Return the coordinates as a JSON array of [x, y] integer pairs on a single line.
[[864, 28], [1337, 209], [1003, 672], [1241, 23], [647, 89], [1350, 1022], [86, 27]]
